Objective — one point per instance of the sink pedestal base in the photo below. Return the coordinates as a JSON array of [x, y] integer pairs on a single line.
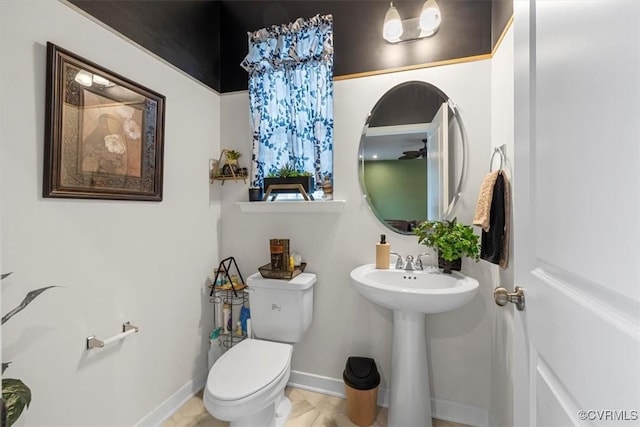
[[410, 398]]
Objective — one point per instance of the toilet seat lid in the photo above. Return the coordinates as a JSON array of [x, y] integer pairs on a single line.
[[247, 368]]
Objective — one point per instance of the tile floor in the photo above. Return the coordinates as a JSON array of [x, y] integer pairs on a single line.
[[308, 410]]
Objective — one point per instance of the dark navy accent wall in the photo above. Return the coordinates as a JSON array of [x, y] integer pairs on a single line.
[[208, 39], [501, 12], [185, 33], [358, 43]]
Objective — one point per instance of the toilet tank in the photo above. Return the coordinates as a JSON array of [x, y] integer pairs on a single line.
[[281, 310]]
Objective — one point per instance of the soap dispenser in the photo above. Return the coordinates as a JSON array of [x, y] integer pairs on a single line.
[[383, 252]]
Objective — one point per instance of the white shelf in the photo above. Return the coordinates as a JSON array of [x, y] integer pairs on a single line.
[[292, 206]]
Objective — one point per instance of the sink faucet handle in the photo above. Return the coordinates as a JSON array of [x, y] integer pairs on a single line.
[[399, 262], [419, 260]]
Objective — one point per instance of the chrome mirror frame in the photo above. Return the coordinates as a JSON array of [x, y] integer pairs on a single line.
[[457, 192]]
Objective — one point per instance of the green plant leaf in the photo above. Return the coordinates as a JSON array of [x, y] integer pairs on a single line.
[[25, 302], [16, 396], [6, 275], [289, 171], [286, 171], [5, 365], [451, 239], [233, 155]]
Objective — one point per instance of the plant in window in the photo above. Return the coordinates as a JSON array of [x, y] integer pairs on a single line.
[[287, 175], [288, 171]]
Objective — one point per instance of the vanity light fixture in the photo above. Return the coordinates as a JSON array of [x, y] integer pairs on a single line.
[[88, 79], [392, 27], [430, 18], [397, 30]]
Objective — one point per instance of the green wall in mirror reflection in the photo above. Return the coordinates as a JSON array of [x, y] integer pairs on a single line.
[[396, 180]]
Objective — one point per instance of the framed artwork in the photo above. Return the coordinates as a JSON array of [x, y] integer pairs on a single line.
[[104, 134]]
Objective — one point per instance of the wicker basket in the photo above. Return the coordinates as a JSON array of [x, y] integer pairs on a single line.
[[268, 273]]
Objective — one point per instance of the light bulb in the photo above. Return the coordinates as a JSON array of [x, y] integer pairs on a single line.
[[392, 29], [430, 17]]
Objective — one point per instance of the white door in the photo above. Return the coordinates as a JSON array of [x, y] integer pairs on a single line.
[[438, 164], [577, 212]]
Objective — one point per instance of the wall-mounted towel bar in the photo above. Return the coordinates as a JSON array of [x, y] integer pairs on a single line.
[[500, 152], [127, 329]]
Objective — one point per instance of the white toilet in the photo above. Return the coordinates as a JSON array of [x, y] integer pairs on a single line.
[[246, 385]]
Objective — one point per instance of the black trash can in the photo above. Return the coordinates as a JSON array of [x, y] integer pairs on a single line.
[[361, 380]]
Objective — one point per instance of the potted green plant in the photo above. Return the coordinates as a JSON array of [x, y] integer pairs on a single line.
[[233, 156], [289, 174], [231, 162], [451, 239], [16, 396]]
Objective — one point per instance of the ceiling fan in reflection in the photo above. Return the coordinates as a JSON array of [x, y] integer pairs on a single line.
[[415, 154]]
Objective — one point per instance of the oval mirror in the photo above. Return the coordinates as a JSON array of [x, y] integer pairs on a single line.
[[412, 156]]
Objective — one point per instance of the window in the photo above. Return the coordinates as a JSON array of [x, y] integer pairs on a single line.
[[291, 98]]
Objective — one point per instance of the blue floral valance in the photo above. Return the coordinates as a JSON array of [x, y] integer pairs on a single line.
[[291, 98], [300, 41]]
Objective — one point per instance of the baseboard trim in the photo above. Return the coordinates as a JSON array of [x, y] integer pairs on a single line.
[[459, 413], [317, 383], [174, 402], [441, 409]]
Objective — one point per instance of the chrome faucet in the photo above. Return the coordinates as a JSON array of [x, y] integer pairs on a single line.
[[409, 263], [399, 263]]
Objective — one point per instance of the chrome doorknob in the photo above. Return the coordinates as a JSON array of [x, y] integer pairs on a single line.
[[503, 296]]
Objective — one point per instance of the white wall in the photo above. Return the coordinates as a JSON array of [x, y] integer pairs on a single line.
[[346, 324], [502, 133], [144, 262], [147, 262]]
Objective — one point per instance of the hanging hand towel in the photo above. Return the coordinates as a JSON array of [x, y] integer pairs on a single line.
[[483, 207], [492, 240], [504, 257]]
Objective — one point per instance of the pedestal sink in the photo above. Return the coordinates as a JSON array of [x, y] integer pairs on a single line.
[[411, 295]]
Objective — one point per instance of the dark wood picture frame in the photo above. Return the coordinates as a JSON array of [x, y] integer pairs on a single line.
[[104, 134]]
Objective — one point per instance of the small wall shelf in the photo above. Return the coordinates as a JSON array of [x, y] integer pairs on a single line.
[[236, 178], [292, 206], [216, 166]]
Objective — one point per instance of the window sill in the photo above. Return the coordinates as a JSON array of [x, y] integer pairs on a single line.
[[293, 206]]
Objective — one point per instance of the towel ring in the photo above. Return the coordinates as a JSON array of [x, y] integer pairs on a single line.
[[499, 152]]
